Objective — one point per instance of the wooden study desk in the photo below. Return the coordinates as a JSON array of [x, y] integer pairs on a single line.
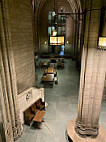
[[54, 60], [49, 78], [50, 70]]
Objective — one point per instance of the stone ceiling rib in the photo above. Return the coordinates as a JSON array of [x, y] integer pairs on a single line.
[[75, 4]]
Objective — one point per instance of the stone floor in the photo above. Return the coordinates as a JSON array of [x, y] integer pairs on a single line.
[[62, 102]]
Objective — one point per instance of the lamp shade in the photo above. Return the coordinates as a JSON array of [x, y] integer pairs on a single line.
[[54, 33], [102, 42]]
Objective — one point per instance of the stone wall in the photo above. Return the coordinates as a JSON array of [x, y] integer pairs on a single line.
[[20, 16]]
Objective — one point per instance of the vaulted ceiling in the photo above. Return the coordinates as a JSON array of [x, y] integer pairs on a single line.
[[74, 4]]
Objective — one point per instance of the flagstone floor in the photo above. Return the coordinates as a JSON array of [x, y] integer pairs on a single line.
[[62, 102]]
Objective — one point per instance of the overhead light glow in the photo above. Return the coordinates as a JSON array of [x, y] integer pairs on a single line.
[[102, 42], [67, 42], [54, 33], [53, 13]]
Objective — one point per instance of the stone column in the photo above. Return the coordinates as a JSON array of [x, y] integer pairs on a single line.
[[9, 70], [92, 75], [91, 91], [5, 123]]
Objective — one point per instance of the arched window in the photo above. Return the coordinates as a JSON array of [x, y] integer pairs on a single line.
[[57, 22]]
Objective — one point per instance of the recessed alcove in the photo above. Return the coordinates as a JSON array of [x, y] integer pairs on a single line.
[[31, 111], [28, 98]]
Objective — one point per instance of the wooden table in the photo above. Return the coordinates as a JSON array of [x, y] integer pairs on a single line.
[[54, 60], [50, 70], [49, 78]]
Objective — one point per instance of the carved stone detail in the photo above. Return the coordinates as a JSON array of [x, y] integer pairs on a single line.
[[27, 98], [29, 95]]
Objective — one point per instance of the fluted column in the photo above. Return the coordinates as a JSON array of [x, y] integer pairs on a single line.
[[5, 111], [9, 70], [92, 74], [6, 127], [91, 92]]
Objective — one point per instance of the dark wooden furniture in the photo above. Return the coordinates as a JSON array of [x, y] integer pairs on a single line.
[[28, 116], [38, 118], [44, 64], [61, 60], [32, 110], [40, 105], [53, 60], [48, 79], [59, 65], [50, 70], [56, 80]]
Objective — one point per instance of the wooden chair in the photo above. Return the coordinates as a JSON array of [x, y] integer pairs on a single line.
[[28, 116], [56, 80], [34, 109], [40, 105]]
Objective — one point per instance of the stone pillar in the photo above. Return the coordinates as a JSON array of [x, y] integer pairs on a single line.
[[8, 69], [92, 75], [91, 91], [5, 124]]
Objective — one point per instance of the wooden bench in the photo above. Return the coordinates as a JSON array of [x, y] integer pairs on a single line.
[[30, 113], [38, 118]]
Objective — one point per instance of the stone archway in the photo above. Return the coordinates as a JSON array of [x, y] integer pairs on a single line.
[[75, 6]]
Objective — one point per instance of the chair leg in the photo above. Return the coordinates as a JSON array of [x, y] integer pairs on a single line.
[[39, 126], [31, 124]]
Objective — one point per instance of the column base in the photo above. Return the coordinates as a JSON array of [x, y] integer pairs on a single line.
[[74, 137], [85, 132]]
